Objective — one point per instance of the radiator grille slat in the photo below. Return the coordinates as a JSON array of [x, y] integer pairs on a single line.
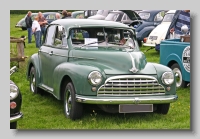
[[131, 86]]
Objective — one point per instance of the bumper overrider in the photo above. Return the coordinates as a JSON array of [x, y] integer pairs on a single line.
[[149, 44], [127, 100], [18, 26], [16, 117]]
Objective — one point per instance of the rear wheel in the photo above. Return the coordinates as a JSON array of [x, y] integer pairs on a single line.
[[72, 109], [178, 74], [24, 28]]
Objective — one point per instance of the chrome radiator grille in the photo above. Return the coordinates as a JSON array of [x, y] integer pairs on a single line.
[[131, 85]]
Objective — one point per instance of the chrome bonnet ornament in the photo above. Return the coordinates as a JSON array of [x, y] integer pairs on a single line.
[[133, 69]]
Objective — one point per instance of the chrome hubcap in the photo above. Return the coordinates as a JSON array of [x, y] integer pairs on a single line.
[[178, 76], [33, 83], [68, 105]]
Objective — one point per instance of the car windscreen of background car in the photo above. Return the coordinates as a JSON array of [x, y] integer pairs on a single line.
[[144, 16], [112, 17], [168, 17]]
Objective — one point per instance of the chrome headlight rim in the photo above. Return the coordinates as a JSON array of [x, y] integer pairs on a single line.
[[91, 77], [14, 91], [166, 80]]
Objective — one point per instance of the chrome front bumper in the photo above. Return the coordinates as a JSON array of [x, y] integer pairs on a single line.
[[127, 100], [16, 117]]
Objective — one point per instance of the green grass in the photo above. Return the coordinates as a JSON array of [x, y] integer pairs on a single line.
[[46, 112]]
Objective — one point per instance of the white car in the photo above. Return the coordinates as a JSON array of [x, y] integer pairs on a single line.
[[159, 33]]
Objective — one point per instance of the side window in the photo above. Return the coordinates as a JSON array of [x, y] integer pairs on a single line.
[[60, 39], [50, 35], [78, 35], [124, 17], [159, 17], [80, 16], [51, 16]]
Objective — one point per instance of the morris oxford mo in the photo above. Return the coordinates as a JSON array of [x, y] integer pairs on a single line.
[[100, 64]]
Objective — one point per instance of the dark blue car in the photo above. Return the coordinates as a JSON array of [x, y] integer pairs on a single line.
[[150, 19]]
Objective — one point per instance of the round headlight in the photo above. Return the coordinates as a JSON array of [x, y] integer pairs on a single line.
[[95, 78], [14, 91], [168, 78]]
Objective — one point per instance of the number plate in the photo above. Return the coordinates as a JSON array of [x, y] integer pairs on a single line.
[[153, 38], [134, 108]]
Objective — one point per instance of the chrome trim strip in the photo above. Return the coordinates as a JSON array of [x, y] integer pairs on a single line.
[[68, 56], [126, 100], [16, 118]]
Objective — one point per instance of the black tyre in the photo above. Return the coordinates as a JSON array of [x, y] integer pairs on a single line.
[[13, 125], [24, 28], [178, 74], [72, 109], [163, 108], [139, 43], [33, 86]]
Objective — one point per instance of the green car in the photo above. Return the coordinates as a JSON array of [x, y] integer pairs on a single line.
[[85, 61]]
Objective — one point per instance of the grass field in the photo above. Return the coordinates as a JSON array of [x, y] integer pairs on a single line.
[[45, 112]]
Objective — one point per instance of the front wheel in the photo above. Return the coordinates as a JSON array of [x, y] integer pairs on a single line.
[[34, 89], [163, 108], [24, 28], [178, 74], [72, 109]]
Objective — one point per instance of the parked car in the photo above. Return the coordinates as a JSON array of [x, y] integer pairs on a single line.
[[99, 69], [100, 15], [159, 33], [83, 14], [15, 102], [122, 17], [88, 13], [150, 19], [50, 16]]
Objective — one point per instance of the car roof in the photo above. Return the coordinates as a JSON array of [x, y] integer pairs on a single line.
[[171, 11], [88, 22], [149, 11], [116, 12], [50, 12]]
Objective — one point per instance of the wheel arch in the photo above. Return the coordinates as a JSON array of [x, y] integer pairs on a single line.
[[65, 80]]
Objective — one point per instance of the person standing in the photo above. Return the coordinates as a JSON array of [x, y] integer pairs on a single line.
[[43, 22], [37, 31], [57, 16], [64, 14], [28, 22], [181, 18]]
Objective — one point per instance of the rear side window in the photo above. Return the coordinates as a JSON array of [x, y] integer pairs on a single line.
[[50, 35]]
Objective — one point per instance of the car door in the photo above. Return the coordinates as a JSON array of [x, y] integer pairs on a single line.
[[44, 55], [132, 15], [58, 53]]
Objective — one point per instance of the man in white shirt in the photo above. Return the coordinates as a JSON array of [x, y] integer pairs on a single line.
[[37, 31]]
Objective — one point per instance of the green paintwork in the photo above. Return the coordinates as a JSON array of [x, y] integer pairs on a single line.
[[77, 63]]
